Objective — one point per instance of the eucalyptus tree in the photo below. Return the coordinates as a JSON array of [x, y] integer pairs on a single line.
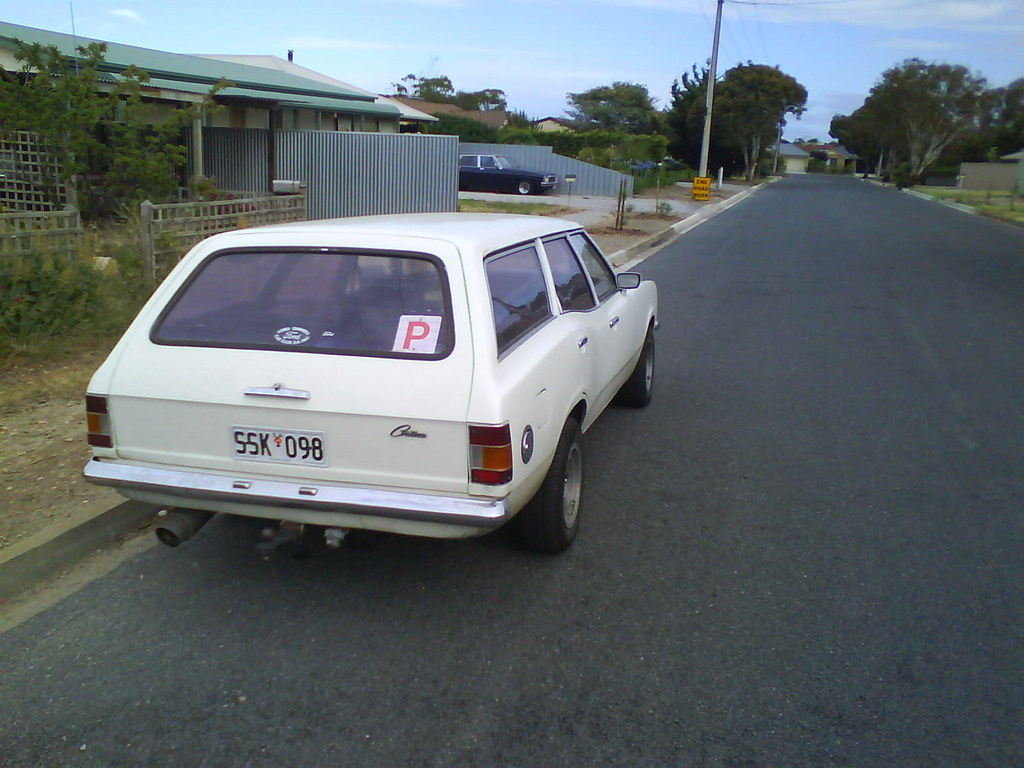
[[930, 104], [751, 105]]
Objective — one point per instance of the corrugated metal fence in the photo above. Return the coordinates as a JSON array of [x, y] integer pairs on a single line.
[[236, 158], [346, 174], [590, 179]]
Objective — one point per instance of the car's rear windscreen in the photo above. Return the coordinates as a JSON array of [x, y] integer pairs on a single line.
[[380, 304]]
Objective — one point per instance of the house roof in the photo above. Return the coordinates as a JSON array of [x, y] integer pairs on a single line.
[[833, 148], [183, 72], [791, 150], [284, 65], [1018, 155], [496, 118]]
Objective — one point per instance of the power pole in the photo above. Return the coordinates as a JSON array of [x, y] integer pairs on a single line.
[[706, 142]]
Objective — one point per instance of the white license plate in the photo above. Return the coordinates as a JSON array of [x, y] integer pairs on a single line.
[[285, 446]]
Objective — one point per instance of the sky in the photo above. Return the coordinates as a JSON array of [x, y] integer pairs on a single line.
[[537, 51]]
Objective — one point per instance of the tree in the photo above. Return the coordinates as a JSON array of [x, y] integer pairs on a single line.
[[869, 133], [440, 90], [932, 104], [103, 146], [465, 128], [750, 109], [488, 98], [54, 98], [435, 89], [684, 118], [626, 107], [1007, 124]]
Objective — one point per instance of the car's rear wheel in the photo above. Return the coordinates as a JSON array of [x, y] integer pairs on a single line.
[[524, 187], [550, 522], [638, 389]]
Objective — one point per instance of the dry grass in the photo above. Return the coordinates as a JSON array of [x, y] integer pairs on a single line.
[[998, 205], [61, 374], [532, 209]]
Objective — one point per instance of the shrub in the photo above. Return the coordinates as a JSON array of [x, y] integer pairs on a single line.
[[45, 296], [901, 175], [816, 165]]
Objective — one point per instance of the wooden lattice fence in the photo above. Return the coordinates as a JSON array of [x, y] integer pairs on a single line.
[[169, 231], [39, 233], [29, 175]]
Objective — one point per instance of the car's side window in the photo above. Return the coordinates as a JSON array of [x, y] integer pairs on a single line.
[[519, 296], [486, 161], [571, 285], [467, 161], [600, 273]]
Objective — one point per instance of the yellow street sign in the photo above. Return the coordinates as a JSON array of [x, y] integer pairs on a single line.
[[701, 189]]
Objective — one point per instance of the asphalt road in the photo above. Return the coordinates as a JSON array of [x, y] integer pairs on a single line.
[[806, 552]]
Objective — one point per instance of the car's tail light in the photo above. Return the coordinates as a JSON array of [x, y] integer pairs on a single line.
[[490, 451], [97, 418]]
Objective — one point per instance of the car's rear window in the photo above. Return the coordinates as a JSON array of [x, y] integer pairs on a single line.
[[314, 301]]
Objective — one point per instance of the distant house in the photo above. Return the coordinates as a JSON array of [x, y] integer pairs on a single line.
[[553, 125], [836, 157], [495, 118], [793, 157]]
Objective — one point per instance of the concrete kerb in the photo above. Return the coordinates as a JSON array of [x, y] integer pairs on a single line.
[[948, 203], [629, 257], [62, 546]]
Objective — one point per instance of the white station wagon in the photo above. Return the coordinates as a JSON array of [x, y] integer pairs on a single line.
[[423, 374]]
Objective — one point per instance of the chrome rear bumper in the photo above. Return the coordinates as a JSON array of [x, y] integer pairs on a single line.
[[223, 493]]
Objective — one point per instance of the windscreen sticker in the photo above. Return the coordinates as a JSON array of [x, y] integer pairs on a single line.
[[292, 334], [418, 334]]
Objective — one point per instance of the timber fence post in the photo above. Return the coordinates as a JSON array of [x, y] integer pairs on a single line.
[[146, 236]]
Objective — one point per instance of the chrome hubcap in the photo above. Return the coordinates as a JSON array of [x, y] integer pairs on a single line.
[[572, 486], [649, 369]]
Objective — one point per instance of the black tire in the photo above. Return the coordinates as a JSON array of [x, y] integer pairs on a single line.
[[524, 187], [550, 522], [639, 387]]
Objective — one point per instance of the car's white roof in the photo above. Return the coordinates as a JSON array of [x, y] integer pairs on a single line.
[[466, 231]]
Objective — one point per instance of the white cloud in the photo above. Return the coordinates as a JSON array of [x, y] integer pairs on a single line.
[[977, 15], [124, 13]]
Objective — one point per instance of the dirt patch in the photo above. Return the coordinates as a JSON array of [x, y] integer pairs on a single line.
[[638, 228], [42, 452]]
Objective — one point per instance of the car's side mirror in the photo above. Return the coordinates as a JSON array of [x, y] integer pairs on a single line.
[[628, 280]]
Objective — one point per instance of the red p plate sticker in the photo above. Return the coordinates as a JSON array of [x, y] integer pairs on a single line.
[[417, 334]]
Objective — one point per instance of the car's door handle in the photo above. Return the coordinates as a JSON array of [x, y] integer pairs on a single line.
[[582, 342], [613, 322], [278, 390]]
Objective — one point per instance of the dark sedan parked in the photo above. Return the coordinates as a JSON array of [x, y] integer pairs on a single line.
[[494, 173]]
